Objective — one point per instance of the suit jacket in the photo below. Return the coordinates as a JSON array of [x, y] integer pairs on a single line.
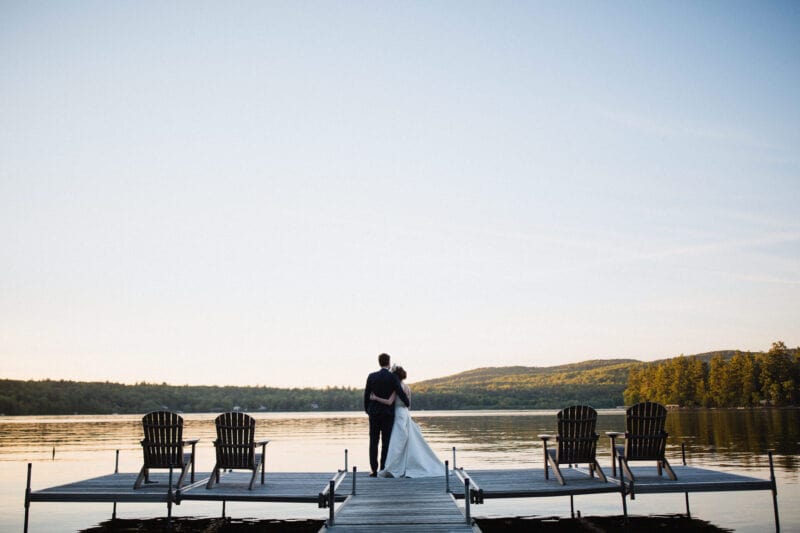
[[383, 383]]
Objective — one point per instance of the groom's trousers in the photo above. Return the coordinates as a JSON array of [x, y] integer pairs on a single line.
[[380, 428]]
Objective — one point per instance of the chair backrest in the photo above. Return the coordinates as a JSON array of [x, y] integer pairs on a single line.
[[645, 437], [163, 439], [235, 444], [577, 439]]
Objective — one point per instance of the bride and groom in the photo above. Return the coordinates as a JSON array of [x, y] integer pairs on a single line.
[[404, 451]]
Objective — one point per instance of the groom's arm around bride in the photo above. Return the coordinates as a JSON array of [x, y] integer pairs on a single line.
[[383, 383]]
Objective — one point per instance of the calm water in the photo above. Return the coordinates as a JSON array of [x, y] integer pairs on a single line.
[[733, 440]]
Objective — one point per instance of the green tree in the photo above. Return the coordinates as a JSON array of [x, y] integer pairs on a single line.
[[776, 376]]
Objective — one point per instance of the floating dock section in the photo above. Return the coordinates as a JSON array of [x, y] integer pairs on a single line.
[[357, 502]]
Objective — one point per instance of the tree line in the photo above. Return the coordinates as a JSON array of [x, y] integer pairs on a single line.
[[70, 397], [73, 397], [743, 380], [737, 379]]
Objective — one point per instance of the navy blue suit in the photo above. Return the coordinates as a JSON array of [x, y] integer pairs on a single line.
[[381, 417]]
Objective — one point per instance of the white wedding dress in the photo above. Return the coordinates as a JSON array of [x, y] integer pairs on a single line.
[[409, 454]]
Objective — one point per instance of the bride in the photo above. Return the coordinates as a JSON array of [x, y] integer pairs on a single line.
[[409, 455]]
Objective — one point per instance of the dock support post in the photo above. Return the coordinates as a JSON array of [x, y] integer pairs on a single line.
[[27, 499], [571, 506], [467, 498], [223, 508], [685, 494], [331, 502], [354, 481], [454, 457], [345, 460], [774, 492], [447, 476], [622, 492], [116, 464], [114, 512]]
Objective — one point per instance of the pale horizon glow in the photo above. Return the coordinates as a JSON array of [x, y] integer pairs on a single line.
[[273, 193]]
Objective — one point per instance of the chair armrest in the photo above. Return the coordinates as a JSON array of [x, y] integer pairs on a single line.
[[191, 441], [262, 442], [545, 437], [615, 434]]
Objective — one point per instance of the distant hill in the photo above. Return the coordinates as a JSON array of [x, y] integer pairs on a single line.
[[596, 382], [596, 371]]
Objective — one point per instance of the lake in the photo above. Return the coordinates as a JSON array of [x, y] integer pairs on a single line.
[[731, 440]]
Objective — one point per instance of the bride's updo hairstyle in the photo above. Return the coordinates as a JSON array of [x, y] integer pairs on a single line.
[[400, 372]]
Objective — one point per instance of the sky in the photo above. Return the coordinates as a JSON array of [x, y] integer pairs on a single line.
[[273, 193]]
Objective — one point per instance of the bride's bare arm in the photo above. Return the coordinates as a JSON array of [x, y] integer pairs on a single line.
[[406, 389], [385, 401]]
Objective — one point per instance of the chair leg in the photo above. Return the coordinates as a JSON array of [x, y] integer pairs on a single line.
[[600, 473], [253, 478], [140, 478], [627, 470], [669, 470], [556, 470], [213, 477], [184, 470]]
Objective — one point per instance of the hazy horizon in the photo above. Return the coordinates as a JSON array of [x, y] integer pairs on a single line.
[[273, 193]]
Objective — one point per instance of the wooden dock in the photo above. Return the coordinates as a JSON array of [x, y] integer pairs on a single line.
[[530, 483], [357, 502], [298, 487], [389, 505]]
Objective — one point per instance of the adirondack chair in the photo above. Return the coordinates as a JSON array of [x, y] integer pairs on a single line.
[[576, 442], [645, 438], [236, 446], [163, 446]]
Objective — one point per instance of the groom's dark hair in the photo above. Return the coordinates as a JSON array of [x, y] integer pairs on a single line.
[[383, 359]]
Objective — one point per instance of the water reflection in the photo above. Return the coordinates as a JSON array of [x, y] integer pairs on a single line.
[[711, 436], [728, 439]]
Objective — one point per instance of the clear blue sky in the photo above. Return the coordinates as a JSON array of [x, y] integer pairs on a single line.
[[272, 193]]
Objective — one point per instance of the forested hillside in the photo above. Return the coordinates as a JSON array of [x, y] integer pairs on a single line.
[[597, 382], [723, 379], [738, 379]]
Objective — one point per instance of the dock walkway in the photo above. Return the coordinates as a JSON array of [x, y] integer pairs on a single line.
[[400, 505]]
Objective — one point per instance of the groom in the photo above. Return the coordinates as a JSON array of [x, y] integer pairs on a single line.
[[381, 417]]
